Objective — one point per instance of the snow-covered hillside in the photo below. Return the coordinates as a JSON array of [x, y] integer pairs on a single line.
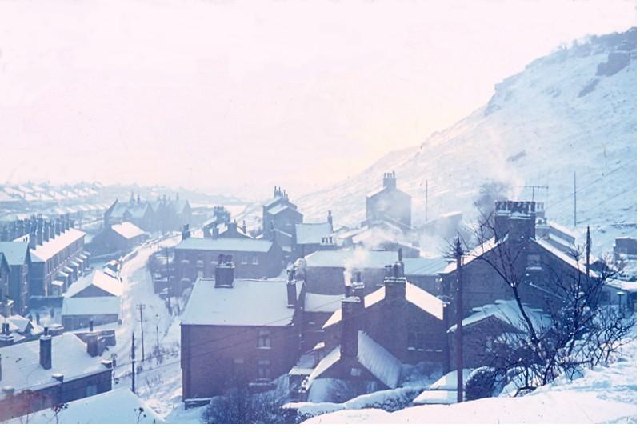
[[573, 110]]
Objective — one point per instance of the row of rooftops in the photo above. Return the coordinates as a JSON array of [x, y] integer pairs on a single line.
[[34, 192]]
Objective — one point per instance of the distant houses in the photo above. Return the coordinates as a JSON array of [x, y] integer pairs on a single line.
[[163, 215], [389, 204], [119, 238]]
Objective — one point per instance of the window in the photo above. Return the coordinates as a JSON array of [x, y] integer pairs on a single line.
[[255, 260], [91, 390], [200, 264], [264, 339], [533, 262], [264, 369], [356, 372], [243, 259], [416, 339]]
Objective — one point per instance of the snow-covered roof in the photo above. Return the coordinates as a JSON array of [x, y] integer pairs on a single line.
[[14, 252], [251, 302], [623, 285], [371, 355], [322, 302], [118, 406], [225, 244], [473, 254], [48, 249], [415, 295], [565, 257], [19, 324], [277, 209], [443, 391], [21, 362], [424, 266], [98, 279], [312, 233], [351, 258], [109, 305], [506, 311], [377, 360], [327, 361], [128, 230]]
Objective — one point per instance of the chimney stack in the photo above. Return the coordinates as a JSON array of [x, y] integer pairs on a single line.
[[291, 290], [46, 232], [389, 180], [357, 287], [39, 229], [185, 232], [33, 241], [45, 349], [224, 272], [92, 344], [351, 312], [330, 220], [6, 338], [244, 227]]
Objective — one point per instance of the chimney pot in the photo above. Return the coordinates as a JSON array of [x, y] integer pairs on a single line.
[[45, 350]]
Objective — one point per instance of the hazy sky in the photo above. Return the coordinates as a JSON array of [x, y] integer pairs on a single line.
[[238, 96]]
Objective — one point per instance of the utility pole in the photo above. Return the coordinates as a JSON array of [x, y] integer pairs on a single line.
[[575, 212], [458, 255], [133, 362], [141, 307]]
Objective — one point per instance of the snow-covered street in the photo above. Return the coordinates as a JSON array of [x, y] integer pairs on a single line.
[[158, 377]]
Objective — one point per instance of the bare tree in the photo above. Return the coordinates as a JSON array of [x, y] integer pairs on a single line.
[[578, 329]]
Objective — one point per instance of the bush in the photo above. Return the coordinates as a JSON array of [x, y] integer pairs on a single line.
[[482, 383]]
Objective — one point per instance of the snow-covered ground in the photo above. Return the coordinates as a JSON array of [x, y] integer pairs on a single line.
[[602, 395], [158, 378]]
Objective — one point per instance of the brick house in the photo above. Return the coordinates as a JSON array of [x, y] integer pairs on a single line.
[[359, 361], [53, 370], [403, 318], [390, 204], [521, 244], [198, 257], [237, 332]]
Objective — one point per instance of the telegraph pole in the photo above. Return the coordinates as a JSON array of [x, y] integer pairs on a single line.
[[133, 362], [575, 212], [458, 255], [141, 307]]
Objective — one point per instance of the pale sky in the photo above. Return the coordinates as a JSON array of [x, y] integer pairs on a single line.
[[235, 97]]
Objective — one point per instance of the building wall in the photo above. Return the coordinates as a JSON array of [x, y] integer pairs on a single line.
[[30, 401], [391, 205], [330, 280], [19, 287], [191, 264], [73, 322], [214, 358]]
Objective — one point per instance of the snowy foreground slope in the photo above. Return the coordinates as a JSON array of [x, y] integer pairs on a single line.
[[604, 395], [573, 110]]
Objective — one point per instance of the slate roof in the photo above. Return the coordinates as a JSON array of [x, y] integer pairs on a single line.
[[15, 252]]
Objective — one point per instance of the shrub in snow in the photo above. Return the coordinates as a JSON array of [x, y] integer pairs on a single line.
[[483, 382]]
